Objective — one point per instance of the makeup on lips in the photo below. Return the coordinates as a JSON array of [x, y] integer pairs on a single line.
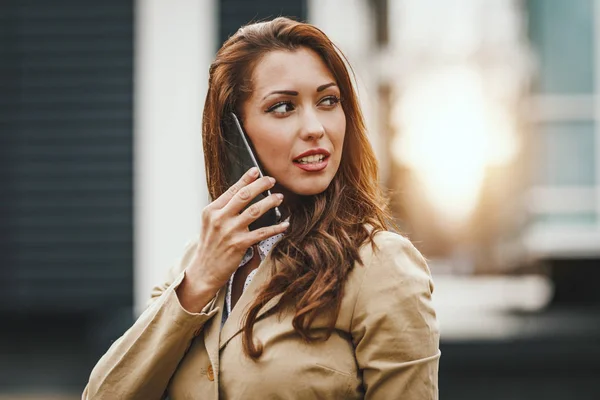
[[313, 160]]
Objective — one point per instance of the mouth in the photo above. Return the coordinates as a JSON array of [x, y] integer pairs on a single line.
[[312, 163]]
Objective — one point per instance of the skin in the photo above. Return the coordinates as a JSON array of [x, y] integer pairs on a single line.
[[281, 126]]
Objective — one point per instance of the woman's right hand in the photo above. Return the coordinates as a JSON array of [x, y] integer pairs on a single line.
[[225, 237]]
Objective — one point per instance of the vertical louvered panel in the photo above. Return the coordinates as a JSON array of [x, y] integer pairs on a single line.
[[66, 157], [235, 13]]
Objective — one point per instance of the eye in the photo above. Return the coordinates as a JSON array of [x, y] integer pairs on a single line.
[[330, 101], [281, 108]]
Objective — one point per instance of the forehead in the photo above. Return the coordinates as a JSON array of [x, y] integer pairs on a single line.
[[295, 69]]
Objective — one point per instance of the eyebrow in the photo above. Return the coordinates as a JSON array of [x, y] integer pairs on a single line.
[[294, 93]]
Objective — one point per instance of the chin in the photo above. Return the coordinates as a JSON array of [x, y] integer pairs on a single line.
[[309, 192], [309, 188]]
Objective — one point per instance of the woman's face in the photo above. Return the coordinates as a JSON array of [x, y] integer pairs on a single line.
[[295, 107]]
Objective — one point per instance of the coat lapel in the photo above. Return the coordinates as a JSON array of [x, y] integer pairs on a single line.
[[233, 325], [213, 330]]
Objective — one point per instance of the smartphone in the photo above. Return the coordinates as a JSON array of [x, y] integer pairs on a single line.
[[240, 158]]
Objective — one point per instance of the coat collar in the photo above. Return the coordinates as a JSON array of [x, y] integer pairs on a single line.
[[234, 323], [215, 337]]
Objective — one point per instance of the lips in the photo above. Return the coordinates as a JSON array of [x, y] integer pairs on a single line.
[[312, 152], [313, 167], [298, 160]]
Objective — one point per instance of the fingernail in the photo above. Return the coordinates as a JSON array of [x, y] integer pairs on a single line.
[[272, 179], [253, 171], [279, 196], [285, 224]]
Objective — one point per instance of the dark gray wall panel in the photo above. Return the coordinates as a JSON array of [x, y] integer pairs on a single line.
[[66, 89], [235, 13]]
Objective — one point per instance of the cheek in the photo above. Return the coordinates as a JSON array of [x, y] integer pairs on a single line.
[[274, 150], [337, 130], [270, 145]]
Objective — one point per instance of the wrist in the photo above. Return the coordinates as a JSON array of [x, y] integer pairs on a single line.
[[194, 294]]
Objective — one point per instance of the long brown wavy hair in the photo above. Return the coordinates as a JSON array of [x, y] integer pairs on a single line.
[[321, 245]]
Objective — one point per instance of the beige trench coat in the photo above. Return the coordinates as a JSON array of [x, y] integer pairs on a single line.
[[385, 345]]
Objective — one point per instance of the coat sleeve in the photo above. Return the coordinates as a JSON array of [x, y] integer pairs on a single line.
[[394, 325], [140, 363]]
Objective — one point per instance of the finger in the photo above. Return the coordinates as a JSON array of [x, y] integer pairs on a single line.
[[256, 210], [264, 233], [246, 194], [245, 180]]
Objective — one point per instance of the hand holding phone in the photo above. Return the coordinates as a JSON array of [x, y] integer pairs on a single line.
[[224, 238], [240, 157]]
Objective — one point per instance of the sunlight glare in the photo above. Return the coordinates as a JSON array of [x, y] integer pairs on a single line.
[[448, 133]]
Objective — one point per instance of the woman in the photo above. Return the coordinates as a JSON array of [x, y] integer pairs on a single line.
[[333, 306]]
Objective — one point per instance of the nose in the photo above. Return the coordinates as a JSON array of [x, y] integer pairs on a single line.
[[311, 128]]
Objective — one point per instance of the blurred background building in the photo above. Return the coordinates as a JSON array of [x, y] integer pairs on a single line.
[[483, 115]]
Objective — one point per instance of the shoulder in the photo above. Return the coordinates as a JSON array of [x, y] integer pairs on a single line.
[[394, 286], [392, 254], [393, 269]]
